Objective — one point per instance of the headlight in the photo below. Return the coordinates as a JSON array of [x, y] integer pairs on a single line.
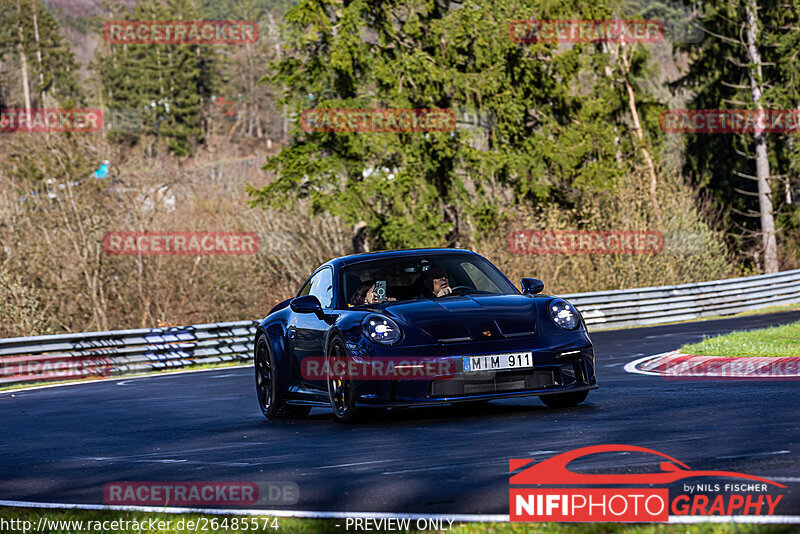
[[564, 314], [381, 329]]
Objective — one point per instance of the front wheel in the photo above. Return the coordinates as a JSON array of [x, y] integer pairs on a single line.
[[564, 400], [269, 399], [340, 387]]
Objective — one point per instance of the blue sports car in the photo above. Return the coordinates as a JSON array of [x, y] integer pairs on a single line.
[[418, 328]]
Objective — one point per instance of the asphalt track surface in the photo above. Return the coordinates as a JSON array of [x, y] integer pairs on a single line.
[[64, 444]]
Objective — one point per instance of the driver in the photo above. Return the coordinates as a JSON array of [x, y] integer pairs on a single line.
[[436, 281]]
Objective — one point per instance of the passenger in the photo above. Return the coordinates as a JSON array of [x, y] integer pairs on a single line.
[[367, 294]]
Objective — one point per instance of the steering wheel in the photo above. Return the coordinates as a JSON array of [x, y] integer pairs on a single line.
[[453, 289]]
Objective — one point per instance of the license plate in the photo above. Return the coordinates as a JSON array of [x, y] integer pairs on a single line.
[[495, 362]]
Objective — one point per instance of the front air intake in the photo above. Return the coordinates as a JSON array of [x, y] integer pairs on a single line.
[[493, 383]]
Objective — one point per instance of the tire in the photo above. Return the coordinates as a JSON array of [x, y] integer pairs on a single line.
[[272, 405], [340, 389], [564, 400]]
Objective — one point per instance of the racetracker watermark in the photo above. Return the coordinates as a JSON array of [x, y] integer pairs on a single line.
[[184, 493], [730, 120], [181, 32], [121, 120], [586, 31], [321, 368], [384, 120], [45, 120], [38, 368], [585, 242], [689, 367], [180, 243]]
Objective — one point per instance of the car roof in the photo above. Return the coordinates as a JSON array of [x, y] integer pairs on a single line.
[[386, 254]]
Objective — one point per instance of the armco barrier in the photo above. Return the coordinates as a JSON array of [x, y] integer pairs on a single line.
[[664, 304], [120, 352]]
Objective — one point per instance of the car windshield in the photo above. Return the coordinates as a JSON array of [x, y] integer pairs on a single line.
[[406, 278]]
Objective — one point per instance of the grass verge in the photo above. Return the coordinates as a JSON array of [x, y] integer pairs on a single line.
[[777, 341], [58, 522]]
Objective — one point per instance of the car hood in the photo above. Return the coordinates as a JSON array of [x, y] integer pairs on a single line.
[[468, 317]]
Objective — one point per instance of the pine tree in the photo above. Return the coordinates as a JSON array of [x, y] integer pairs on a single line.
[[744, 62], [166, 83], [7, 45], [557, 130], [783, 27], [32, 36]]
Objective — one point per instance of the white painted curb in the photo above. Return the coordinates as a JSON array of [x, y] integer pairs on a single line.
[[692, 366]]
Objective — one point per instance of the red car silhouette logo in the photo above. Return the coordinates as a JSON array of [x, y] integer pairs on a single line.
[[554, 470]]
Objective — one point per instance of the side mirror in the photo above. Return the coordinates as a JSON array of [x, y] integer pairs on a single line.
[[531, 286], [306, 304]]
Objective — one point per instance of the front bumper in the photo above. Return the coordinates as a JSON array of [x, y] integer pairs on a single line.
[[550, 374]]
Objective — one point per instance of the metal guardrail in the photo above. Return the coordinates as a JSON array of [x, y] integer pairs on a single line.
[[664, 304], [121, 352]]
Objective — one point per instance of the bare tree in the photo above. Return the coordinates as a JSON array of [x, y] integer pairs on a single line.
[[23, 60], [38, 53], [621, 56], [770, 247]]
